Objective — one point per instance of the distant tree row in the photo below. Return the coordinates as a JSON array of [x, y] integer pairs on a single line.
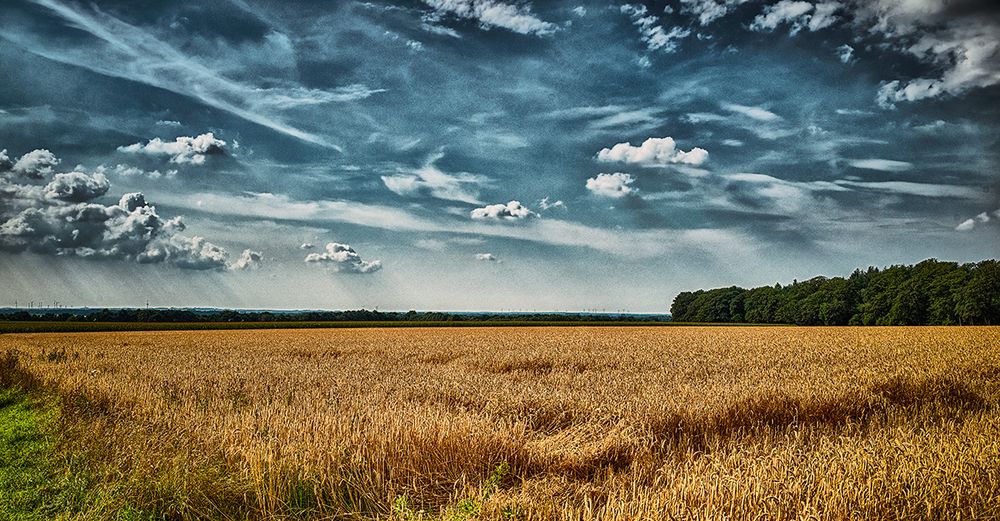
[[928, 293], [359, 315]]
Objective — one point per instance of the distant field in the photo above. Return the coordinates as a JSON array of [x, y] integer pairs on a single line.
[[31, 326], [573, 423]]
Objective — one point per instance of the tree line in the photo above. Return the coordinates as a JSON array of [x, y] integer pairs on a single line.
[[358, 315], [929, 293]]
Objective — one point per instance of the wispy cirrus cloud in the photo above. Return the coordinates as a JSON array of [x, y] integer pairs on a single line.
[[798, 14], [883, 165], [492, 13], [604, 118], [281, 207], [959, 39], [755, 113], [652, 32], [916, 189], [630, 243], [289, 97], [429, 180], [708, 11], [123, 50], [759, 120]]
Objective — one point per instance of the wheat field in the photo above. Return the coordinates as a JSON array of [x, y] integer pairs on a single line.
[[548, 423]]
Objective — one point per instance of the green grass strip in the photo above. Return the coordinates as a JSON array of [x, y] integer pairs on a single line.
[[26, 472], [35, 482]]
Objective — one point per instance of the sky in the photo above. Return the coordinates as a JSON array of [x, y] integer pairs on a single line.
[[487, 154]]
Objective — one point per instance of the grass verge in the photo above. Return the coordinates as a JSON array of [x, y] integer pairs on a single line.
[[41, 480], [25, 475], [37, 482]]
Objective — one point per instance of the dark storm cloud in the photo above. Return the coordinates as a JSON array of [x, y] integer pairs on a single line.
[[62, 218], [128, 231]]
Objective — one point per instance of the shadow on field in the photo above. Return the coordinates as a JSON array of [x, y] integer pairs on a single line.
[[616, 449]]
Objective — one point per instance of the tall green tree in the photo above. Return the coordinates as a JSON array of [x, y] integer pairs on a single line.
[[930, 292]]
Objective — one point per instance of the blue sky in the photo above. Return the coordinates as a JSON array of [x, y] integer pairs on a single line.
[[487, 154]]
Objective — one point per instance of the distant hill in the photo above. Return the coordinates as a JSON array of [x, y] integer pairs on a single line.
[[929, 293]]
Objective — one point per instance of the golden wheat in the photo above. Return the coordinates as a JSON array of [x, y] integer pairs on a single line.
[[594, 422]]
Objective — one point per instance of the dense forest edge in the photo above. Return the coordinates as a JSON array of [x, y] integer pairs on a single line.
[[931, 292]]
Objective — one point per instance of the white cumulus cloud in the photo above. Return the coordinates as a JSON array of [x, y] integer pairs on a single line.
[[249, 260], [183, 150], [981, 218], [5, 162], [77, 186], [343, 258], [513, 210], [611, 185], [36, 164], [653, 151], [966, 225]]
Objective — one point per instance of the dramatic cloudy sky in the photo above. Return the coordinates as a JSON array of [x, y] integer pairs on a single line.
[[487, 154]]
